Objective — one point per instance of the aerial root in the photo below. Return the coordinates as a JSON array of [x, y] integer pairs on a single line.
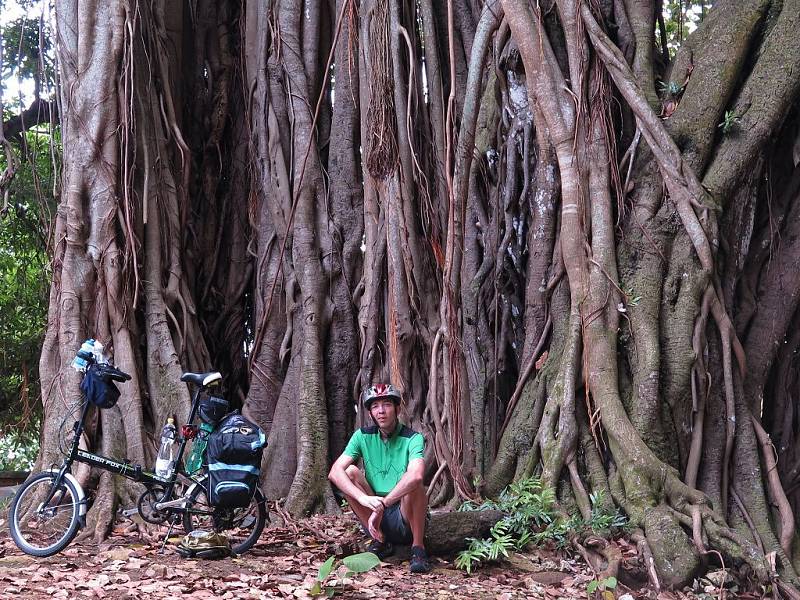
[[708, 528], [602, 557], [647, 557]]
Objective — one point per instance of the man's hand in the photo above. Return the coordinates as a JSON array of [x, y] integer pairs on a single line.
[[374, 525], [374, 503]]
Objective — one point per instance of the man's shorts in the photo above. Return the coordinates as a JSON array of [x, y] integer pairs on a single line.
[[394, 526]]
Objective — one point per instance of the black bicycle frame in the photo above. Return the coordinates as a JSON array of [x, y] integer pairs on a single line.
[[126, 469]]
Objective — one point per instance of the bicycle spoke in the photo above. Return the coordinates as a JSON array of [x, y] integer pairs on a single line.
[[41, 527], [241, 526]]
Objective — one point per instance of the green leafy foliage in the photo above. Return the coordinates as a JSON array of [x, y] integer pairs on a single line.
[[362, 562], [604, 586], [18, 451], [24, 52], [329, 578], [631, 298], [681, 18], [24, 279], [27, 204], [729, 122], [669, 89], [602, 520], [28, 66], [326, 568], [531, 518]]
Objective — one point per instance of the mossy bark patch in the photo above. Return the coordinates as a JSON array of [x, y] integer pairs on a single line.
[[676, 559]]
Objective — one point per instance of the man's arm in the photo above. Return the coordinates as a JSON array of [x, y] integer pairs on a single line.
[[410, 481], [339, 478]]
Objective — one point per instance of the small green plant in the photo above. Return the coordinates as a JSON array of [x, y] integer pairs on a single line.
[[669, 89], [729, 121], [477, 482], [602, 520], [631, 298], [604, 586], [488, 550], [528, 505], [531, 518], [330, 580]]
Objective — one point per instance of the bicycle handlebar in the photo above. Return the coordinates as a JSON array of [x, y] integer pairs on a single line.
[[113, 372]]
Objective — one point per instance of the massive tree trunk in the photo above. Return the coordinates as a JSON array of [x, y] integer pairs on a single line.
[[117, 264], [487, 204]]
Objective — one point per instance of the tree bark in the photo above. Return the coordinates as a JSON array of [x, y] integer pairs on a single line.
[[566, 274]]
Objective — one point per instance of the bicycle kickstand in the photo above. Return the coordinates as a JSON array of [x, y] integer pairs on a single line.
[[169, 531]]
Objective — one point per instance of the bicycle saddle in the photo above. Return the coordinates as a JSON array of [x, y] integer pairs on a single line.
[[201, 379]]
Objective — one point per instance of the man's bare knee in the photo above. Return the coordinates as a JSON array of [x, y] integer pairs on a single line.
[[356, 475], [418, 496], [415, 501], [358, 479]]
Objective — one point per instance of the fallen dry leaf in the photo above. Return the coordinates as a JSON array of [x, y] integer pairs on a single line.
[[286, 588], [369, 581]]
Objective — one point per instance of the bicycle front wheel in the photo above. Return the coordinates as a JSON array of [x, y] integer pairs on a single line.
[[42, 527], [242, 526]]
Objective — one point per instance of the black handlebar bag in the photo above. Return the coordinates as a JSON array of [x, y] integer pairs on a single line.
[[234, 455], [99, 388]]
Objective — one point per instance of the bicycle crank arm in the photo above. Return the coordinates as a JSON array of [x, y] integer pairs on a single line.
[[177, 503]]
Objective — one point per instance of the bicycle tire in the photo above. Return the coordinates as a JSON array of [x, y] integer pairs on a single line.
[[257, 510], [27, 530]]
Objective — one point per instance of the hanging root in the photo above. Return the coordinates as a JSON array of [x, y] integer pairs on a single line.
[[381, 151], [786, 523]]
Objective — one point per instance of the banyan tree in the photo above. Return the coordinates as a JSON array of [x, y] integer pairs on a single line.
[[570, 243]]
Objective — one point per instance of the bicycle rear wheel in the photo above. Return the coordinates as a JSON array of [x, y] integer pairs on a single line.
[[39, 528], [242, 526]]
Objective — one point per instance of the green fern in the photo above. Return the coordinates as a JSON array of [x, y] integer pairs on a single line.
[[531, 518]]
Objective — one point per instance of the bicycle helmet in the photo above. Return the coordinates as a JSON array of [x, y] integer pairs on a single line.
[[379, 391]]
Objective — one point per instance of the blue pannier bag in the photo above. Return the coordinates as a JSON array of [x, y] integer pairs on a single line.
[[98, 387], [234, 461]]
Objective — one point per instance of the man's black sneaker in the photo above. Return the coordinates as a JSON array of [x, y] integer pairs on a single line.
[[380, 549], [420, 563]]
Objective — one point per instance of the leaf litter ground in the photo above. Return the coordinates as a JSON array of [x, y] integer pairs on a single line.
[[284, 564]]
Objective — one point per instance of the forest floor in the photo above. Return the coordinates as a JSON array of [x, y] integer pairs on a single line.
[[285, 563]]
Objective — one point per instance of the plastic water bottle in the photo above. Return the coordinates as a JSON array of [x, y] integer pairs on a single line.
[[165, 462], [195, 460], [86, 352], [98, 353]]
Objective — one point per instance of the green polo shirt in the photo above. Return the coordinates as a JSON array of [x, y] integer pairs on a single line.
[[385, 461]]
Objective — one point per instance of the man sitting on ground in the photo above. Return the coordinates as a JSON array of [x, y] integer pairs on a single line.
[[388, 497]]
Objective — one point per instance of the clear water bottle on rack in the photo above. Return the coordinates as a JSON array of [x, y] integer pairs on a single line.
[[165, 463], [86, 353]]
